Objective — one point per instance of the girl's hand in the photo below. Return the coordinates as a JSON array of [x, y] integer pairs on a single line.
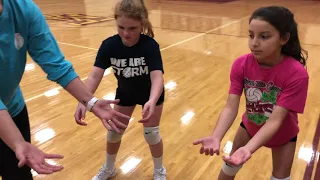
[[147, 112], [80, 115], [210, 145], [239, 157]]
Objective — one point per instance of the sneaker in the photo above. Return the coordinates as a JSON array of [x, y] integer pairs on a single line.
[[105, 173], [160, 174]]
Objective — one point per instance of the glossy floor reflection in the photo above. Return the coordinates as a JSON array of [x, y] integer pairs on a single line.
[[199, 41]]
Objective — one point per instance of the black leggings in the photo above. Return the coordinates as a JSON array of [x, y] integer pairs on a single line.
[[9, 169]]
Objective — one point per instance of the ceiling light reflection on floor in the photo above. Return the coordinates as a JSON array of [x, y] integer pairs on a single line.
[[170, 85], [29, 67], [305, 153], [207, 52], [51, 162], [228, 147], [109, 96], [34, 173], [185, 119], [52, 92], [129, 164], [106, 72], [44, 135]]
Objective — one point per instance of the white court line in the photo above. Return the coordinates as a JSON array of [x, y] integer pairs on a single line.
[[77, 46], [162, 49], [183, 14], [42, 94], [220, 27]]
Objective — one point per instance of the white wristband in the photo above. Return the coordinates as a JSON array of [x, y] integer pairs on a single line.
[[91, 103]]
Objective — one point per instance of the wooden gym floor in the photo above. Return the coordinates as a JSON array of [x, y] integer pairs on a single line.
[[199, 41]]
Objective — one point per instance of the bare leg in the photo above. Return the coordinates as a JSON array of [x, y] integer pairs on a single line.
[[282, 159], [241, 139], [112, 148], [157, 149], [108, 170]]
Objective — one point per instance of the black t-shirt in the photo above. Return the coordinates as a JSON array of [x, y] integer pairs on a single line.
[[131, 65]]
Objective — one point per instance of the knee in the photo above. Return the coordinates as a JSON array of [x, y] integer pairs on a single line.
[[152, 135], [230, 170], [113, 137]]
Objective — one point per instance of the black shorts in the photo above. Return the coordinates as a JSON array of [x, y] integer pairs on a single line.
[[292, 140], [9, 169], [138, 97]]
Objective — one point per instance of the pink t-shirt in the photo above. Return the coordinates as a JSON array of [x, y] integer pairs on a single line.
[[285, 85]]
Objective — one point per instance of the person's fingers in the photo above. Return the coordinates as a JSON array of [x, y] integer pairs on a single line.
[[199, 141], [77, 115], [207, 151], [38, 167], [229, 160], [216, 150], [118, 123], [42, 169], [113, 126], [22, 160], [149, 114], [143, 120], [145, 110], [116, 101], [83, 114], [80, 116], [53, 156], [51, 167], [211, 151], [82, 123], [120, 115]]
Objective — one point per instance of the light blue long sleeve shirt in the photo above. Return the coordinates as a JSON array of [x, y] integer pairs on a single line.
[[23, 29]]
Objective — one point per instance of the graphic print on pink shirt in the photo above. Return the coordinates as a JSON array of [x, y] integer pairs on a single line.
[[261, 99], [284, 85]]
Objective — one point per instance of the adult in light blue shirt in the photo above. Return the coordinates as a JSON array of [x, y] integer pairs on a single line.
[[23, 29]]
